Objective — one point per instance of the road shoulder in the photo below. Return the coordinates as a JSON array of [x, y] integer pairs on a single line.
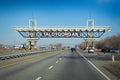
[[99, 64]]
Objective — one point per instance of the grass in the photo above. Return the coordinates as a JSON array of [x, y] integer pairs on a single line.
[[113, 67], [9, 51], [4, 50]]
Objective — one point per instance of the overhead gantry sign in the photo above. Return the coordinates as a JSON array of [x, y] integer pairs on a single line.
[[33, 32], [62, 31]]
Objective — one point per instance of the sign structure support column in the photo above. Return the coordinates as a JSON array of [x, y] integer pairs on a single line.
[[32, 42], [90, 41]]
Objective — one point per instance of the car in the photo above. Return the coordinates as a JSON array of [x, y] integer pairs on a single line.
[[90, 50], [73, 50], [115, 50], [106, 50]]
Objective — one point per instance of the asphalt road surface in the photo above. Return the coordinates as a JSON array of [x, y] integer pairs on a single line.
[[64, 65]]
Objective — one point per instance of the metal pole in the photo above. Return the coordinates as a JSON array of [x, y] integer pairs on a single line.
[[30, 46], [113, 58]]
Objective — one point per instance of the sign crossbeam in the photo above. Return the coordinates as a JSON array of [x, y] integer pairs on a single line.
[[64, 33], [49, 28]]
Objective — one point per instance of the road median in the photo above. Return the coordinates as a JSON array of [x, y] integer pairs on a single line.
[[11, 62]]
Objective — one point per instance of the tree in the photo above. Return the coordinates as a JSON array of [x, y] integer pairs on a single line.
[[109, 42]]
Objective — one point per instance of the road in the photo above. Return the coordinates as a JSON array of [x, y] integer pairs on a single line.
[[63, 65]]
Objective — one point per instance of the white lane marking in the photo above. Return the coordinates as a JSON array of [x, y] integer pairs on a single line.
[[38, 78], [57, 61], [95, 67], [50, 67], [60, 58]]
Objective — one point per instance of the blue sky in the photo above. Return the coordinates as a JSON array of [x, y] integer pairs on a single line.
[[57, 13]]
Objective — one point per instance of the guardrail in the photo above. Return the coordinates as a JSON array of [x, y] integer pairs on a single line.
[[12, 56]]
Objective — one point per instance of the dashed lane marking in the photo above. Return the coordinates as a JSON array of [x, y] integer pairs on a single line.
[[38, 78], [57, 61], [50, 67], [60, 58]]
